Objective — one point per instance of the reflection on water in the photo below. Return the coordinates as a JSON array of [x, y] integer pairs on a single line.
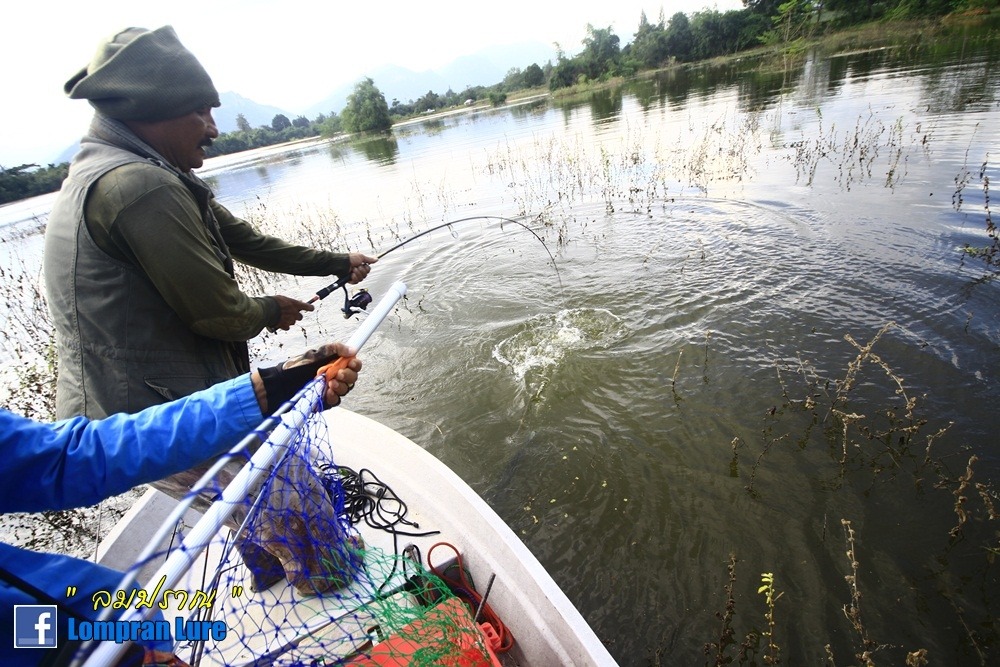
[[729, 239], [380, 149]]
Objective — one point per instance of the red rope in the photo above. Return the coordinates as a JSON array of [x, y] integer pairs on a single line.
[[463, 588]]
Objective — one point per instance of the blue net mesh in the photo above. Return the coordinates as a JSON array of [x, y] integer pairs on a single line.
[[290, 580]]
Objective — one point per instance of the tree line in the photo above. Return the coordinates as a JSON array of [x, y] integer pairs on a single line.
[[679, 39], [710, 33], [30, 180], [368, 111]]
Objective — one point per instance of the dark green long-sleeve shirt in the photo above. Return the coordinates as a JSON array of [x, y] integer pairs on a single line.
[[144, 215]]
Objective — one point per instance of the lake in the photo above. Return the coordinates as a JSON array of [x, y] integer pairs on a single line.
[[747, 342]]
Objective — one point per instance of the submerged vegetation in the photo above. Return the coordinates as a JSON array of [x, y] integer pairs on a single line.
[[989, 254], [878, 440]]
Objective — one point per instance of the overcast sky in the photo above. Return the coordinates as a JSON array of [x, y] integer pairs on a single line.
[[275, 51]]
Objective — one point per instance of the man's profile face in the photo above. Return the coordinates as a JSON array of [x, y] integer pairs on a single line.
[[181, 140]]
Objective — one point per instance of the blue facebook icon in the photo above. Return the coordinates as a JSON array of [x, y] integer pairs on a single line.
[[35, 626]]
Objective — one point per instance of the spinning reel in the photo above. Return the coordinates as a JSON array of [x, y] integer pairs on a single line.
[[352, 304], [355, 304]]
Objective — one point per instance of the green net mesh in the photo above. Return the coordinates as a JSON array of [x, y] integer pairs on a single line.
[[293, 582]]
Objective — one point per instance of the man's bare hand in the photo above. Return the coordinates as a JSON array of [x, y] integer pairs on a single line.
[[360, 266], [291, 311]]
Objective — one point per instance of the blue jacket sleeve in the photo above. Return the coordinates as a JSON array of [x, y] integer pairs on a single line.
[[78, 462]]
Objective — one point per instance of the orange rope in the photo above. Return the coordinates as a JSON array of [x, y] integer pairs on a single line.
[[466, 591]]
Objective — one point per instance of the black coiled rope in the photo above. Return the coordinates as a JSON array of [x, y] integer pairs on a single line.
[[369, 499]]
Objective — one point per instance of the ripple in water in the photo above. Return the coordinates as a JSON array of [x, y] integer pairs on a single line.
[[545, 339]]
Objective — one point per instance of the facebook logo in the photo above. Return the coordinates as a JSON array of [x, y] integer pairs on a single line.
[[35, 626]]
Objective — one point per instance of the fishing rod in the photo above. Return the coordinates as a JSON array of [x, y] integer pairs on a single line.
[[360, 301]]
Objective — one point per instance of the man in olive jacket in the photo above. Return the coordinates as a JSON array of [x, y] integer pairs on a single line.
[[139, 255]]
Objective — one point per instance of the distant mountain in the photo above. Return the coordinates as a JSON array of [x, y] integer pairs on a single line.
[[484, 68], [519, 55], [256, 114], [68, 153], [395, 83]]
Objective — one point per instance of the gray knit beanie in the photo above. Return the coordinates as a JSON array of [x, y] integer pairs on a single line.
[[140, 74]]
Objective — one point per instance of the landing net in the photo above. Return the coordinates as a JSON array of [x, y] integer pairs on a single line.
[[336, 599]]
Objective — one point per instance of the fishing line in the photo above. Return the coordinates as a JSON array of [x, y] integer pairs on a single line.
[[348, 305], [359, 302]]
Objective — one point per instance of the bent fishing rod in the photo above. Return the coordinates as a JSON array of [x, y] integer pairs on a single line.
[[360, 301]]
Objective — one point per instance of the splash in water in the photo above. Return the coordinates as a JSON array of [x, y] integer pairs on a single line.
[[544, 340]]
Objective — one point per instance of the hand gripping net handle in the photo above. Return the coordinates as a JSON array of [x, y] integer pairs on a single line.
[[181, 559]]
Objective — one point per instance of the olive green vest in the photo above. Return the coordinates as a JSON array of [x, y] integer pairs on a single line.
[[121, 348]]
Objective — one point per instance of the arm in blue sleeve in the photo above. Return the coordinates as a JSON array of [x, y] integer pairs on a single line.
[[79, 462]]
